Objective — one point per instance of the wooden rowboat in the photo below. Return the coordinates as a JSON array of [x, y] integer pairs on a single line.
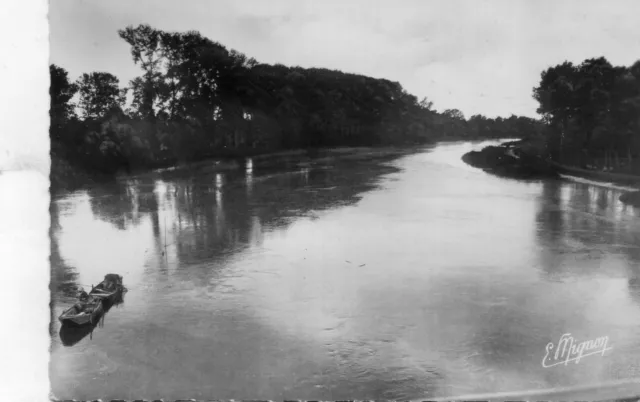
[[70, 335], [83, 312], [110, 289]]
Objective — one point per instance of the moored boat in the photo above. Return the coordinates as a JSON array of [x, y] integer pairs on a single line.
[[110, 289], [82, 313], [70, 335]]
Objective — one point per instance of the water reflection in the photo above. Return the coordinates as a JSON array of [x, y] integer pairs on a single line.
[[172, 240], [249, 176], [445, 280], [590, 222], [589, 250], [115, 204], [63, 276], [193, 219]]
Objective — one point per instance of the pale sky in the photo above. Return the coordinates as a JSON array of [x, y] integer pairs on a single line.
[[479, 56]]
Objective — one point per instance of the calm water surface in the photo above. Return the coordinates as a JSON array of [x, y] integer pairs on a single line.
[[400, 278]]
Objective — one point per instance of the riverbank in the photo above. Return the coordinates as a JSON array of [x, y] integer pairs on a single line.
[[523, 159], [630, 198], [66, 178], [608, 177], [625, 179], [506, 160]]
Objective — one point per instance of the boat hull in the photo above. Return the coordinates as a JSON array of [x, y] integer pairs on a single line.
[[71, 333], [102, 297], [81, 319], [84, 319]]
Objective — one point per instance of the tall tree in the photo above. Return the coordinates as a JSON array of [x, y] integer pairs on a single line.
[[454, 114], [61, 112], [145, 49], [99, 95], [596, 80], [61, 91]]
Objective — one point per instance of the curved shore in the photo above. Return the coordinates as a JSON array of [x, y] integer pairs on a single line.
[[506, 161], [509, 160]]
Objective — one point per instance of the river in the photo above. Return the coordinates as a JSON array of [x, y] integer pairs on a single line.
[[391, 278]]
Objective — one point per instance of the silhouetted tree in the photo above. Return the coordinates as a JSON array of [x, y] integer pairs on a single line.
[[99, 95], [145, 49], [593, 113], [61, 91]]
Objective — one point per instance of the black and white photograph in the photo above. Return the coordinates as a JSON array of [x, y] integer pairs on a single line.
[[332, 200]]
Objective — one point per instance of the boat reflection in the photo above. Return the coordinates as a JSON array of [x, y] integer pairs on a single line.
[[70, 335]]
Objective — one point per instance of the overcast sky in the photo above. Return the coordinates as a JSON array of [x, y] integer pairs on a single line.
[[479, 56]]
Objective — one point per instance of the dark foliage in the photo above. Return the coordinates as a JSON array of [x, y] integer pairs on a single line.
[[197, 99], [593, 113], [503, 161]]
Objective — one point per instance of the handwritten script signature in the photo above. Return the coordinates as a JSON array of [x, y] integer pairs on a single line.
[[568, 350]]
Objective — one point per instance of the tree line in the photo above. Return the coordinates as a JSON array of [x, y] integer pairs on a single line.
[[196, 99], [592, 111]]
